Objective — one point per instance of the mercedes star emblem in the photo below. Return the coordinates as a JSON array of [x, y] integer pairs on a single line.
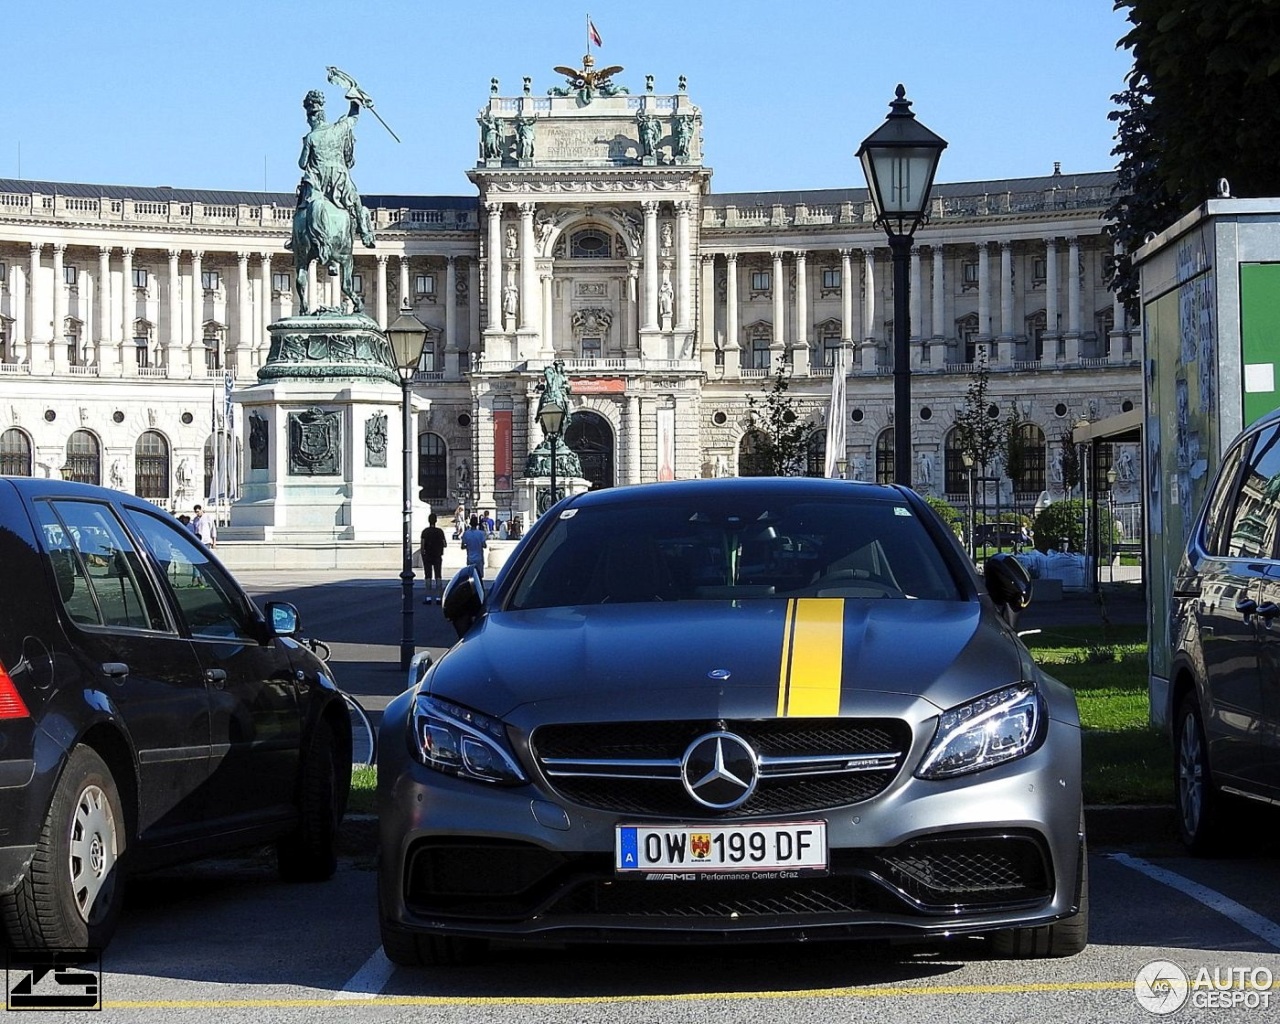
[[720, 771]]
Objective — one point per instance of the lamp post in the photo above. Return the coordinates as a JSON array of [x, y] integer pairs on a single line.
[[551, 419], [1111, 522], [407, 334], [842, 467], [900, 159], [967, 458]]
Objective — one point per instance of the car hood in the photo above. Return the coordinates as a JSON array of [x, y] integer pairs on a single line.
[[750, 658]]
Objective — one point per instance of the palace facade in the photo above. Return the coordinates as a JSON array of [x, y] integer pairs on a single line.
[[593, 236]]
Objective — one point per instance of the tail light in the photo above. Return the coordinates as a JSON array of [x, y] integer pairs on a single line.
[[11, 705]]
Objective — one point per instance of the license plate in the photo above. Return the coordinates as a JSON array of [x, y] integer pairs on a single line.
[[769, 850]]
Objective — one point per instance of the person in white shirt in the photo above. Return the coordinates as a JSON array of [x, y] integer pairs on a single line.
[[204, 528]]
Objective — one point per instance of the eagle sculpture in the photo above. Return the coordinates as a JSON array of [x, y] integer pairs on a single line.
[[586, 81]]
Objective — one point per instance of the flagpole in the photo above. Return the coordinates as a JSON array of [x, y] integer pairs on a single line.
[[588, 34]]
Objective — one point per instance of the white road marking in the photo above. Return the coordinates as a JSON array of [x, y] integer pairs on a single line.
[[1249, 920], [368, 981]]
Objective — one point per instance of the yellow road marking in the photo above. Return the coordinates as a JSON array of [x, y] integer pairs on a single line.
[[675, 997], [812, 657]]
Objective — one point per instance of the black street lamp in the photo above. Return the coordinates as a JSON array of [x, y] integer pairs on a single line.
[[407, 334], [967, 458], [900, 159], [551, 419]]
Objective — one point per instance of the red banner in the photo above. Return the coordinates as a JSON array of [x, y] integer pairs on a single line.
[[502, 450], [599, 386]]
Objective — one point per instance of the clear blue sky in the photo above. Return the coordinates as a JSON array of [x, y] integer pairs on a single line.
[[208, 95]]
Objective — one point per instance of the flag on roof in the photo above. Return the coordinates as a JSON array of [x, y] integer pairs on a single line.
[[595, 35]]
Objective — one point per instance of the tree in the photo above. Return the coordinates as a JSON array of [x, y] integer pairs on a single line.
[[1069, 460], [1015, 446], [979, 434], [782, 437], [1201, 103]]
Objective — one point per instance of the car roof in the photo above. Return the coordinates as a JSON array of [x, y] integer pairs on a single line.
[[745, 486], [40, 486]]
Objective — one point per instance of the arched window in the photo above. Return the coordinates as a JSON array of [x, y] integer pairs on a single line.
[[433, 467], [884, 456], [752, 460], [15, 453], [1025, 460], [84, 458], [591, 437], [151, 462], [815, 463], [590, 244]]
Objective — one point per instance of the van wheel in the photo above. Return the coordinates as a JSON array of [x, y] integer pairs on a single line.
[[310, 852], [72, 893]]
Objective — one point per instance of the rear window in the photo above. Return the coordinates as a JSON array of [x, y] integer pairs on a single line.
[[730, 548]]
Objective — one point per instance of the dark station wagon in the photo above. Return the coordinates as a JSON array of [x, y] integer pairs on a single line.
[[149, 713]]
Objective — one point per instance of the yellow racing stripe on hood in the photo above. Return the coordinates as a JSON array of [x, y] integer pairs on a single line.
[[812, 658]]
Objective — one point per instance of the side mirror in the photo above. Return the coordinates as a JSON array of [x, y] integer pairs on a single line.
[[463, 599], [1008, 583], [283, 618]]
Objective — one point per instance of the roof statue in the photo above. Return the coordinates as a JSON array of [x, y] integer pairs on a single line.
[[586, 81]]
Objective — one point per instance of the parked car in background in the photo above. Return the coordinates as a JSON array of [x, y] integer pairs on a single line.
[[733, 710], [149, 713], [1223, 701]]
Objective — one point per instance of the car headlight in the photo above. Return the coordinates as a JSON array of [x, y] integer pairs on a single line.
[[1002, 726], [462, 742]]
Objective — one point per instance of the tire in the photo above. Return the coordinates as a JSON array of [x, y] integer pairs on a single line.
[[1203, 822], [1062, 938], [412, 950], [72, 893], [310, 852]]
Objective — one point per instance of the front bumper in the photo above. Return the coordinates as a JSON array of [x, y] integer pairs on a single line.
[[997, 849]]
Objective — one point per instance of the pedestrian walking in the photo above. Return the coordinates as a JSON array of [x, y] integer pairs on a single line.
[[474, 542], [204, 527], [433, 543]]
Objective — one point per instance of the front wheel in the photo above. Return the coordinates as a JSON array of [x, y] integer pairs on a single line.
[[1202, 824], [310, 852], [72, 892], [1062, 938]]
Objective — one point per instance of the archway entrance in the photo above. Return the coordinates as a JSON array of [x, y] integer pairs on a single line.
[[590, 435]]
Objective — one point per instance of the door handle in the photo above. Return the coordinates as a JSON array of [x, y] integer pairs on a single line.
[[116, 671], [1247, 607], [216, 676], [1267, 611]]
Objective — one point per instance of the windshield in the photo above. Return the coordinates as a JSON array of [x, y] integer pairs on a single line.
[[734, 548]]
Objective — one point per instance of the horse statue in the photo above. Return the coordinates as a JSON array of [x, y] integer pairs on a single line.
[[322, 232]]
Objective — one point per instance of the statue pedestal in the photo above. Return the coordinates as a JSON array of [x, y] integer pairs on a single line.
[[532, 493], [320, 437]]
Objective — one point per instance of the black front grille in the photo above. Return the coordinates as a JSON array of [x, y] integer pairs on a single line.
[[771, 738], [813, 897], [970, 870]]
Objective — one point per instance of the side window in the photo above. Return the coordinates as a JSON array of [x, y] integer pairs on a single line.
[[101, 580], [1221, 501], [210, 602], [1257, 507]]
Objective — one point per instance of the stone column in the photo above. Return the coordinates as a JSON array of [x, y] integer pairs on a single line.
[[984, 290], [23, 328], [1005, 354], [1052, 314], [939, 295], [684, 270], [102, 318], [450, 312], [779, 342], [1073, 300], [846, 299], [60, 360], [380, 292], [633, 437], [913, 308], [650, 318], [631, 309], [528, 271], [173, 332], [707, 310], [800, 347], [195, 345], [38, 354], [474, 343], [732, 336], [868, 326], [262, 337], [493, 253], [244, 318], [406, 301], [127, 293], [547, 329]]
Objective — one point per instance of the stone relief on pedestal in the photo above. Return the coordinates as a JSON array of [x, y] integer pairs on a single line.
[[375, 440], [315, 443], [258, 448]]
